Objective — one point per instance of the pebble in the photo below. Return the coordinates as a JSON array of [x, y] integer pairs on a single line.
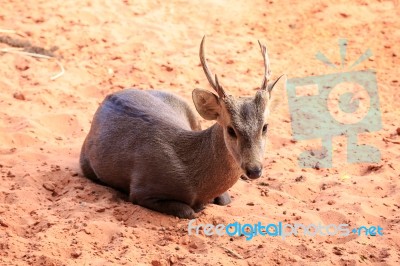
[[19, 96], [49, 186], [76, 254], [160, 262]]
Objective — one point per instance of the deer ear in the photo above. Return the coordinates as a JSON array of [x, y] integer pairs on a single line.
[[206, 104], [276, 97]]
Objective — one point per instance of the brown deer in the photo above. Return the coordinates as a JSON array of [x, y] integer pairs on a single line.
[[150, 145]]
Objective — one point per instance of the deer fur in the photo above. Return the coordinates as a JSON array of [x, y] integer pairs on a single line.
[[150, 145]]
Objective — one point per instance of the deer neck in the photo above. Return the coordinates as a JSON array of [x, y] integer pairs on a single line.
[[220, 157], [211, 164]]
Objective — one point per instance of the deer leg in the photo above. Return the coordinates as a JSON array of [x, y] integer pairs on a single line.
[[198, 207], [222, 199], [170, 207]]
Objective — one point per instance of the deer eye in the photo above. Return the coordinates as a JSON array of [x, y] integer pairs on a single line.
[[265, 129], [231, 132]]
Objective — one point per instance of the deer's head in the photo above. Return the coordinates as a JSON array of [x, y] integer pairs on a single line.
[[244, 120]]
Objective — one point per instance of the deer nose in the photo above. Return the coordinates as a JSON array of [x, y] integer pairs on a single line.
[[253, 172]]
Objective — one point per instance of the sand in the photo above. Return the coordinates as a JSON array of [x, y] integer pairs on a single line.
[[51, 215]]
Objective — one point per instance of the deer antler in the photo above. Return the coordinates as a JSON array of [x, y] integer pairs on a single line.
[[218, 88], [267, 72]]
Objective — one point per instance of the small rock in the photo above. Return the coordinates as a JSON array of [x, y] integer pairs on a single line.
[[299, 178], [193, 245], [155, 263], [9, 174], [331, 202], [160, 262], [19, 96], [76, 254], [168, 68], [398, 131], [337, 251], [101, 210], [49, 187], [250, 204]]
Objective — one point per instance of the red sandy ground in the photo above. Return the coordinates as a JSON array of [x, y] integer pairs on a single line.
[[51, 215]]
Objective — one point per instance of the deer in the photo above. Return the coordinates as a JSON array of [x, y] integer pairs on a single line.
[[149, 144]]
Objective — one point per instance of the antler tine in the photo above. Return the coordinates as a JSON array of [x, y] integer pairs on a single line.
[[218, 88], [267, 72]]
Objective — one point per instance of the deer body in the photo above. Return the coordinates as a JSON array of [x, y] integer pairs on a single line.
[[135, 138], [150, 145]]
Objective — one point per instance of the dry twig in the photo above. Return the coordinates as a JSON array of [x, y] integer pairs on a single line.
[[232, 253], [21, 52], [6, 31]]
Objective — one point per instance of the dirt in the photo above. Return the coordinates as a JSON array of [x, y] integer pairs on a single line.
[[51, 215]]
